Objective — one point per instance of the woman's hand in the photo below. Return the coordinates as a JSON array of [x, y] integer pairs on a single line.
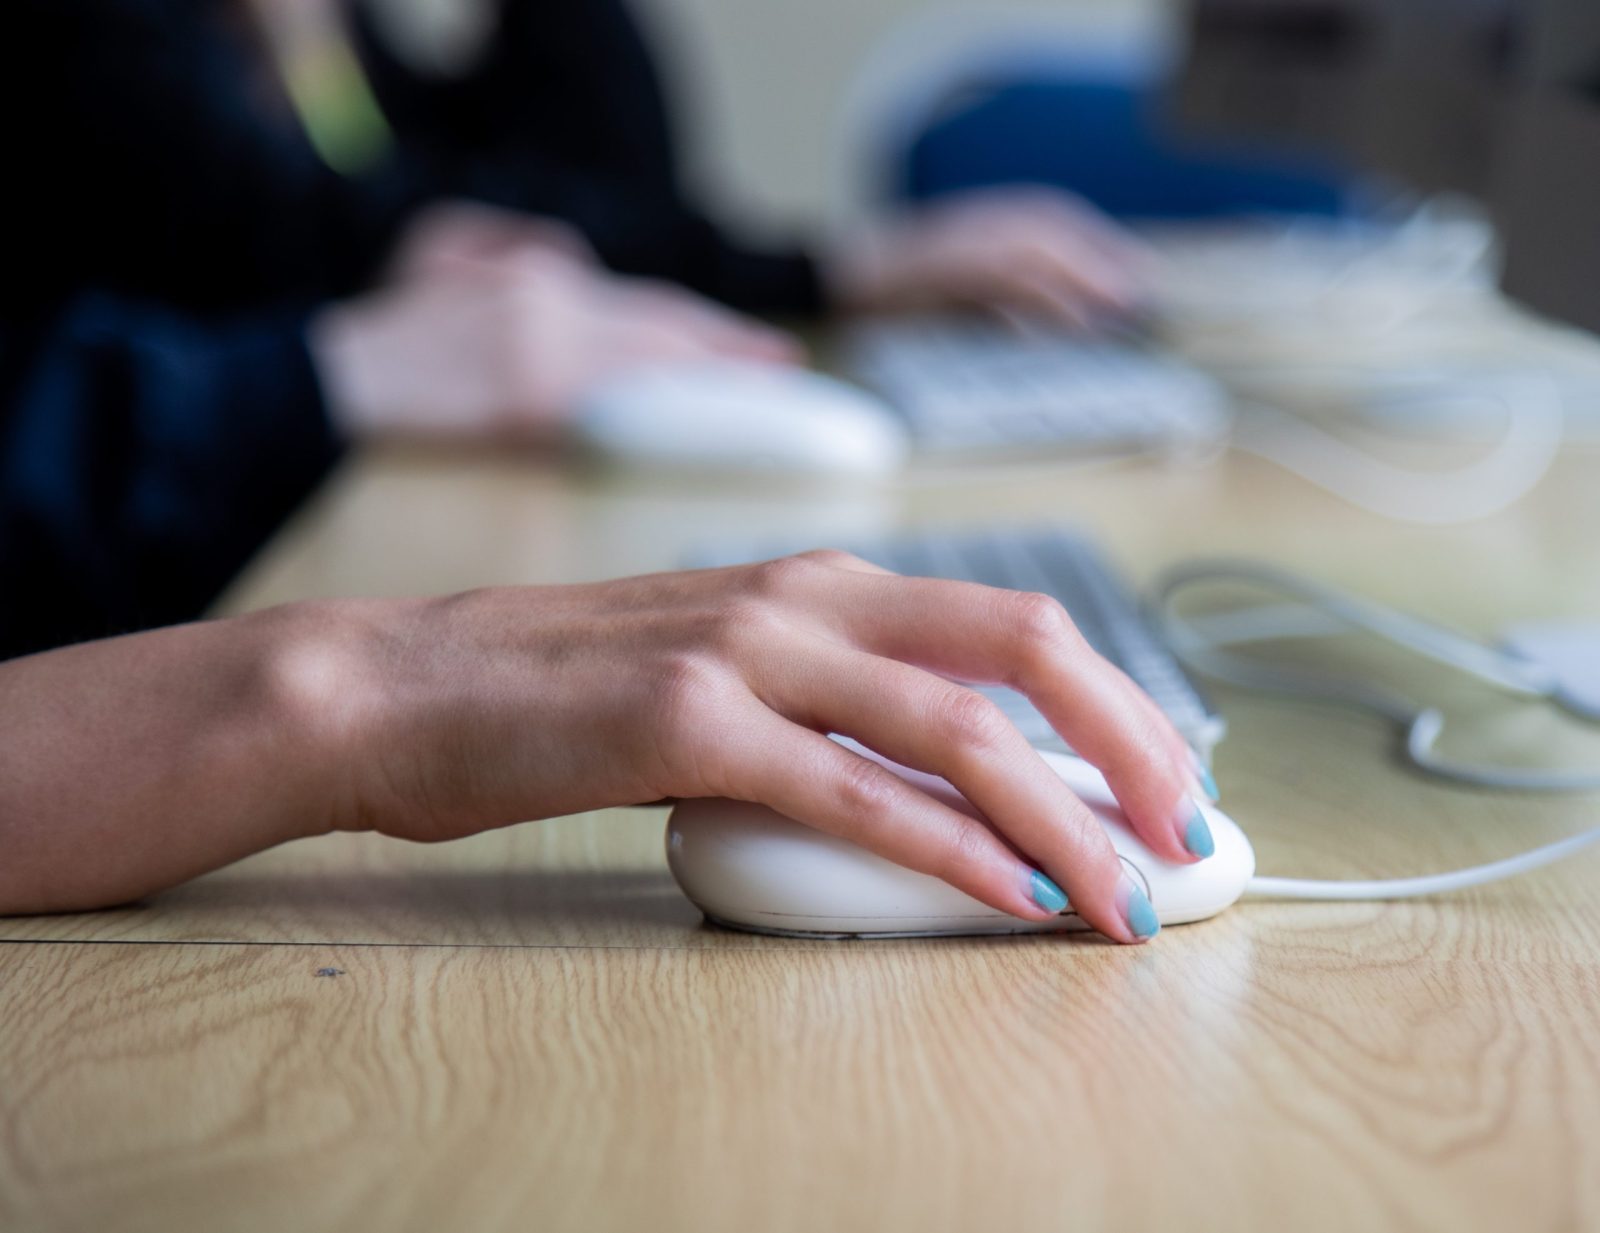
[[1032, 253], [131, 764], [501, 706], [468, 348]]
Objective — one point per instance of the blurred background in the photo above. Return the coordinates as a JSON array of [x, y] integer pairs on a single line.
[[766, 87]]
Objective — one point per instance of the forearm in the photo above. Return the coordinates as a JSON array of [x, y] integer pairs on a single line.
[[131, 764]]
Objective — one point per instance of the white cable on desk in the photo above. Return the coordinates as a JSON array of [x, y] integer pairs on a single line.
[[1203, 645], [1325, 610], [1428, 884], [1423, 732]]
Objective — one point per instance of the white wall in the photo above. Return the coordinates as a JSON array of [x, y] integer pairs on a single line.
[[761, 84]]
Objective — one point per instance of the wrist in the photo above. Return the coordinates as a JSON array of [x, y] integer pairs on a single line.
[[328, 696]]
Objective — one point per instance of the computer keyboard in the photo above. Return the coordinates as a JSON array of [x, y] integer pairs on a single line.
[[1059, 563], [979, 387]]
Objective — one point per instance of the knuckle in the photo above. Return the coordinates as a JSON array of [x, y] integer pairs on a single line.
[[866, 792], [1041, 624], [781, 577], [968, 719], [834, 558], [738, 624]]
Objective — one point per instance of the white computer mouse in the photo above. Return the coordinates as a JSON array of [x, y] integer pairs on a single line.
[[750, 868], [727, 416]]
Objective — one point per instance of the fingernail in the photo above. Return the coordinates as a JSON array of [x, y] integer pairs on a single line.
[[1046, 893], [1197, 835], [1136, 910], [1208, 783]]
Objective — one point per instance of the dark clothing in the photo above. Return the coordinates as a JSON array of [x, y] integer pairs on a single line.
[[143, 458], [147, 138], [567, 118], [172, 228]]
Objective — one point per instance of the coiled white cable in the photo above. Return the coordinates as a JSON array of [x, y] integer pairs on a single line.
[[1323, 610]]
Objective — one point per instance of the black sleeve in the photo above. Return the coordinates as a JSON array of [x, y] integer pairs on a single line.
[[568, 117], [157, 164], [659, 237], [143, 459]]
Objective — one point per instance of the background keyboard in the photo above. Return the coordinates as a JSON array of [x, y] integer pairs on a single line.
[[972, 386]]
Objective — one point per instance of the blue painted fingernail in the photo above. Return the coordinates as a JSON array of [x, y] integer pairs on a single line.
[[1140, 915], [1197, 835], [1046, 893]]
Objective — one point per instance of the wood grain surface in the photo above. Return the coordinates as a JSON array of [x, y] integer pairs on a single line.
[[532, 1030], [1414, 1068]]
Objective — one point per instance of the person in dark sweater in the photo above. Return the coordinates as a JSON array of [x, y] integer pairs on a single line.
[[160, 140], [209, 300], [186, 345]]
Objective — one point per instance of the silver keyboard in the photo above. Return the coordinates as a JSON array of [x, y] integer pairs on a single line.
[[971, 386], [1059, 563]]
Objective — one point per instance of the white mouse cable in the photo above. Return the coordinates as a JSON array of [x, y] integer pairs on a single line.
[[1426, 884], [1326, 610], [1331, 610], [1321, 610], [1347, 611]]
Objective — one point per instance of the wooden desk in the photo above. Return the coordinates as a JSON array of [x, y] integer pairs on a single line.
[[532, 1030]]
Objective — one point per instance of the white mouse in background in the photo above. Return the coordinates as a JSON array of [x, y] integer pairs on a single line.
[[730, 416], [745, 866]]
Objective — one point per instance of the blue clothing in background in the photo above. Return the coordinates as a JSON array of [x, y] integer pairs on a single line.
[[1112, 142]]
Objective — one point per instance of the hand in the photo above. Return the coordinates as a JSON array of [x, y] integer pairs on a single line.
[[505, 349], [443, 237], [1029, 252], [502, 706]]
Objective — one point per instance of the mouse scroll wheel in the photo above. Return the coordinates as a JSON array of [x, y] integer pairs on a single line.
[[1137, 875]]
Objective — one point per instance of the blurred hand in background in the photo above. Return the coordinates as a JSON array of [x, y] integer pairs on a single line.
[[494, 325], [1032, 253]]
